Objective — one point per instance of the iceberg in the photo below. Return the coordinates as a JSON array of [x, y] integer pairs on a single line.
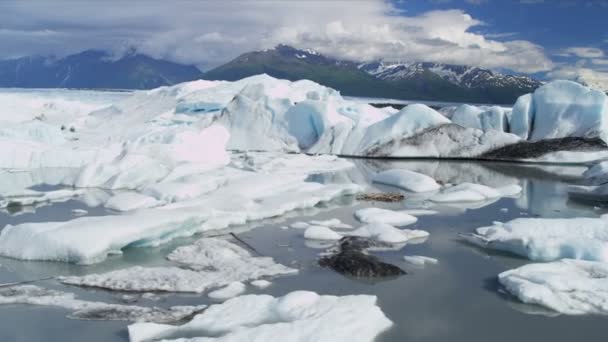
[[571, 287], [321, 233], [231, 290], [298, 316], [540, 239]]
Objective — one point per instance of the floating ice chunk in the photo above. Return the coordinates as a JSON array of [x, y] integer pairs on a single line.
[[469, 192], [297, 317], [210, 262], [82, 309], [299, 225], [126, 201], [572, 287], [407, 180], [597, 174], [419, 260], [231, 290], [261, 284], [541, 239], [321, 233], [377, 215], [383, 232]]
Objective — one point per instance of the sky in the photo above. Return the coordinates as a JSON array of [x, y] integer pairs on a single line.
[[547, 39]]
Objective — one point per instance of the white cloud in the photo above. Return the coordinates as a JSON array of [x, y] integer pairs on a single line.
[[583, 52], [210, 32], [593, 78], [600, 61]]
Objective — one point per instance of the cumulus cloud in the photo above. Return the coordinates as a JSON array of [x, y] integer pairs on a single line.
[[208, 33]]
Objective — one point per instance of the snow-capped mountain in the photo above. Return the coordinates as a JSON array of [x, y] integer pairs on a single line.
[[461, 75], [94, 69], [409, 81]]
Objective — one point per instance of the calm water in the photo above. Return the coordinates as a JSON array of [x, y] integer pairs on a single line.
[[456, 300]]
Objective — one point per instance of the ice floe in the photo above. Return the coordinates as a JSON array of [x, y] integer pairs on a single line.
[[209, 263], [321, 233], [378, 215], [297, 316], [407, 180], [572, 287], [541, 239], [261, 283], [83, 309]]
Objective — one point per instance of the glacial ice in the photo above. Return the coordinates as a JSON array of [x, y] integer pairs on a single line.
[[208, 263], [378, 215], [83, 309], [482, 118], [571, 287], [248, 196], [406, 180], [298, 316], [544, 239], [562, 109]]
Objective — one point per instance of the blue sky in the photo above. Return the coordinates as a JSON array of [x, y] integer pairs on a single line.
[[547, 39]]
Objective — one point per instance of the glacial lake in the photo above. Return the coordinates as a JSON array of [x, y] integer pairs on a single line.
[[457, 299]]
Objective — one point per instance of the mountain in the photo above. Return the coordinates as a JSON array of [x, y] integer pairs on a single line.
[[289, 63], [488, 86], [94, 69], [409, 81]]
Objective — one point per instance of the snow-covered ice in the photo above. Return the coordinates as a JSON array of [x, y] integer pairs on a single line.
[[378, 215], [407, 180], [545, 239], [209, 263], [572, 287], [321, 233], [296, 317]]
